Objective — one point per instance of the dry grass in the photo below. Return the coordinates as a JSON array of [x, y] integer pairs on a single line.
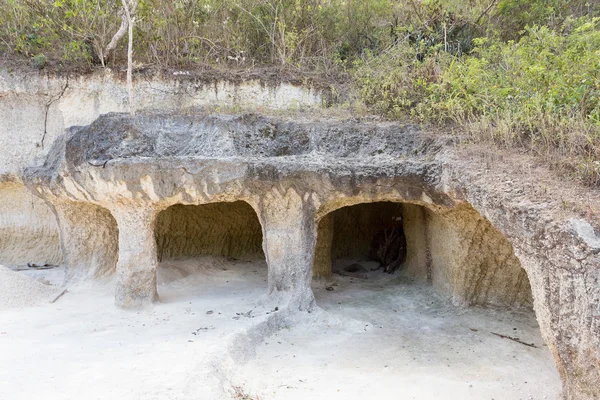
[[240, 394]]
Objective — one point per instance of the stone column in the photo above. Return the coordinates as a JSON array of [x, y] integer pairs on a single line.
[[136, 268], [322, 263], [289, 234], [88, 239]]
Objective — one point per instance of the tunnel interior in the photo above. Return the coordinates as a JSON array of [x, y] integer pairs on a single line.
[[354, 240], [455, 251], [203, 240]]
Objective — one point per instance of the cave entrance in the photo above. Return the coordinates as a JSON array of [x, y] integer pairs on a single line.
[[456, 251], [356, 240], [216, 246], [446, 315]]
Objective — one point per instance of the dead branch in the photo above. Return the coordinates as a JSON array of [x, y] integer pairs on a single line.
[[514, 339], [59, 296], [112, 45], [116, 38], [129, 8], [103, 164], [483, 14]]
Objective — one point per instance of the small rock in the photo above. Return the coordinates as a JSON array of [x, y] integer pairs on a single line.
[[586, 233]]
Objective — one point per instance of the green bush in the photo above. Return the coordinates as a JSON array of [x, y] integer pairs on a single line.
[[396, 83], [73, 31], [544, 88], [545, 72], [304, 34], [541, 92], [39, 61]]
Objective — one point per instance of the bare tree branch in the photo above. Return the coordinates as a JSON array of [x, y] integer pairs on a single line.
[[492, 4], [117, 37], [128, 9], [112, 45]]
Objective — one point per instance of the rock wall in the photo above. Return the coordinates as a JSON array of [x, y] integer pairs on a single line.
[[474, 262], [418, 247], [28, 230], [322, 266], [481, 229], [560, 253], [89, 238], [36, 109]]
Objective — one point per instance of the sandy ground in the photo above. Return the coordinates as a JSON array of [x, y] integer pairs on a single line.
[[411, 344], [381, 337]]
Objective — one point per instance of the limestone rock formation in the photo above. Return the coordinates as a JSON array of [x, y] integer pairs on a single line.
[[475, 240]]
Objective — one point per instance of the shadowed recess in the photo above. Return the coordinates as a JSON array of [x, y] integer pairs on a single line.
[[219, 229], [457, 251]]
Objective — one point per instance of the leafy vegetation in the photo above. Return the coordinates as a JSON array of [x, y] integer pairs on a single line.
[[540, 92], [521, 73]]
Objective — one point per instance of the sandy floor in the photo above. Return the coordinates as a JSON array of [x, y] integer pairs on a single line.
[[382, 337], [411, 344]]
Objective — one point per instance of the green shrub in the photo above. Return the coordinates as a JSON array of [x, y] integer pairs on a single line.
[[541, 92], [73, 31], [39, 61], [396, 83], [545, 87]]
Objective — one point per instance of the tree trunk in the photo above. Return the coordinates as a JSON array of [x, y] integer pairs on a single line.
[[128, 9]]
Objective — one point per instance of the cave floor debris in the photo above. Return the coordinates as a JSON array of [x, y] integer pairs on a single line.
[[385, 337]]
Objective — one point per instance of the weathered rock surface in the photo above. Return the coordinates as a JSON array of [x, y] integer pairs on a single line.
[[476, 241], [36, 107], [28, 231]]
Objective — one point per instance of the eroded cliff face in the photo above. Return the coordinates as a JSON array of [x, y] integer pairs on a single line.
[[36, 109], [145, 184], [473, 241], [28, 227], [561, 255]]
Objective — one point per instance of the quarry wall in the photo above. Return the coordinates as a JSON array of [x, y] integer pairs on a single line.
[[37, 108], [93, 191]]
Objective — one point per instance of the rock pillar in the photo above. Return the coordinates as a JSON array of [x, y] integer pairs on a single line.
[[136, 268], [289, 235]]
